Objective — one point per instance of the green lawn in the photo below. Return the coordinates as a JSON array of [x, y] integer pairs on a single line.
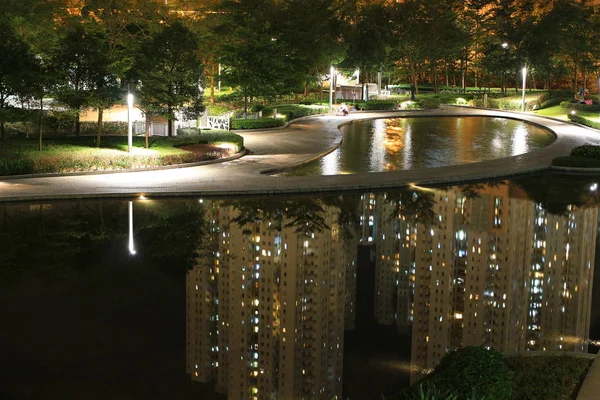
[[562, 113], [19, 155]]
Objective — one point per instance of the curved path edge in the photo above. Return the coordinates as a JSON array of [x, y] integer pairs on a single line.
[[303, 140]]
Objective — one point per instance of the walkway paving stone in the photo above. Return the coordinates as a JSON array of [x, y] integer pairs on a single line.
[[302, 140]]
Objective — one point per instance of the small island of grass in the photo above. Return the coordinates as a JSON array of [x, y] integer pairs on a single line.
[[21, 155]]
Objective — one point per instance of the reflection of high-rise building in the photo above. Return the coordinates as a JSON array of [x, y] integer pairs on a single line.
[[266, 307], [489, 268]]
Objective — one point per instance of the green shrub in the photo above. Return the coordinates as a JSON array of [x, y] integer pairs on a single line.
[[294, 111], [216, 136], [551, 102], [430, 392], [188, 131], [505, 103], [578, 106], [108, 128], [256, 108], [455, 98], [583, 121], [473, 371], [587, 150], [261, 123], [547, 377], [217, 110], [576, 162], [429, 103], [379, 105]]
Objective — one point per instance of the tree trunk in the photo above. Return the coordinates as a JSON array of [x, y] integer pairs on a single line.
[[77, 124], [170, 122], [212, 89], [99, 127], [40, 121], [1, 129]]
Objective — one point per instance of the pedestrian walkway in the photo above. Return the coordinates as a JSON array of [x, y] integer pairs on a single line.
[[302, 140]]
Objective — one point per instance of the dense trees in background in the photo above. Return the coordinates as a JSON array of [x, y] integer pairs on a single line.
[[87, 53]]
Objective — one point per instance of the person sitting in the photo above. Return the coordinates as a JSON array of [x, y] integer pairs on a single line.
[[343, 110]]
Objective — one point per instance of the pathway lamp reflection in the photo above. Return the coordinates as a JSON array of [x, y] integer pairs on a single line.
[[131, 245], [129, 121], [524, 79]]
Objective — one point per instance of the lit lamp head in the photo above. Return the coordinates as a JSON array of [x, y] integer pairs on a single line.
[[129, 100]]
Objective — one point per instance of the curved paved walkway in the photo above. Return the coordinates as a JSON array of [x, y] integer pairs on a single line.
[[304, 139]]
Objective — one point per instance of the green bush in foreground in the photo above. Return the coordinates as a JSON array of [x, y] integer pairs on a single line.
[[583, 121], [576, 162], [378, 105], [579, 106], [473, 371], [429, 103], [587, 150], [586, 156], [261, 123], [547, 377]]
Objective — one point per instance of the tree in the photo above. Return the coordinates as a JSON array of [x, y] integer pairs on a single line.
[[78, 58], [16, 64], [169, 72]]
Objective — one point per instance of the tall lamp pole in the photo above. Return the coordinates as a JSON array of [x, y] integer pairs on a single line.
[[129, 121], [505, 47], [524, 78], [331, 71]]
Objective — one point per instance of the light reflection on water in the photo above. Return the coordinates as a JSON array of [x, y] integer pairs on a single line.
[[291, 297], [409, 143]]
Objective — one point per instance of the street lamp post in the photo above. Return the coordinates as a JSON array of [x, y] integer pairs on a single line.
[[129, 122], [505, 47], [523, 99], [331, 71]]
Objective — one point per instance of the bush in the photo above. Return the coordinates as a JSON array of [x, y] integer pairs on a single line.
[[188, 131], [257, 108], [379, 105], [473, 370], [429, 103], [578, 106], [547, 377], [550, 102], [216, 110], [294, 111], [583, 121], [108, 128], [256, 123], [587, 150], [576, 162]]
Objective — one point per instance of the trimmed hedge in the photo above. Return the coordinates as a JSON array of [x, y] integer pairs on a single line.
[[586, 156], [293, 111], [429, 103], [473, 371], [583, 121], [372, 105], [576, 162], [547, 377], [261, 123], [578, 106], [587, 150]]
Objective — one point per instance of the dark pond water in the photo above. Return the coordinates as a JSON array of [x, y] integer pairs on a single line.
[[307, 297], [410, 143]]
